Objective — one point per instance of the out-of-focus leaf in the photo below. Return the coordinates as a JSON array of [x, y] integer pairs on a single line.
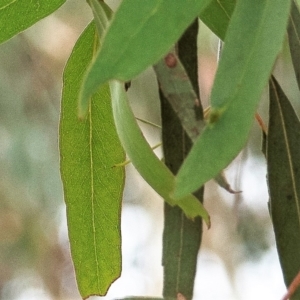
[[141, 32], [92, 187], [253, 41], [177, 88], [283, 157], [17, 15], [142, 157], [222, 181], [217, 15], [294, 39]]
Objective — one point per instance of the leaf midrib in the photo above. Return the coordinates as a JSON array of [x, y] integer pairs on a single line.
[[223, 8], [8, 4], [95, 46]]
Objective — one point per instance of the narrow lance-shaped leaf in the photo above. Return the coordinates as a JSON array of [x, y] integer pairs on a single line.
[[283, 158], [141, 32], [294, 39], [92, 187], [181, 236], [142, 157], [16, 16], [253, 41], [216, 16]]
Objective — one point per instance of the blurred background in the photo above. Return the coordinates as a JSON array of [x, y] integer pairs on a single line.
[[238, 258]]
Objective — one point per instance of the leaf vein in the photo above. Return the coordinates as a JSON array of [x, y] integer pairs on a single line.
[[8, 4]]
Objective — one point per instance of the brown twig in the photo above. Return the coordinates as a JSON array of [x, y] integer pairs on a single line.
[[293, 287], [261, 123]]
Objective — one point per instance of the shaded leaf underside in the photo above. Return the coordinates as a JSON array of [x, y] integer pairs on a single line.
[[283, 157], [181, 236]]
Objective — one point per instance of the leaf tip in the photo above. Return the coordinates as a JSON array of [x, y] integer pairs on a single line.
[[204, 215], [206, 219], [208, 222]]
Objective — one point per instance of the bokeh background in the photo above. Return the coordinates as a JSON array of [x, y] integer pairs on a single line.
[[238, 258]]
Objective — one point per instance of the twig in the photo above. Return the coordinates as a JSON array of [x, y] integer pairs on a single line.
[[293, 287]]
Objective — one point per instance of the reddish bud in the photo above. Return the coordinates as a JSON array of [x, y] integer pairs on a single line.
[[171, 60]]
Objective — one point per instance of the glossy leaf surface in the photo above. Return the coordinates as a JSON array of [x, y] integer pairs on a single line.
[[17, 15], [253, 41], [142, 157], [283, 157], [139, 35], [92, 187]]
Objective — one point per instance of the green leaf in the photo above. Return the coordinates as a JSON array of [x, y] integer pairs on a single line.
[[142, 157], [216, 16], [181, 243], [17, 15], [92, 187], [253, 41], [283, 157], [102, 15], [294, 39], [139, 35]]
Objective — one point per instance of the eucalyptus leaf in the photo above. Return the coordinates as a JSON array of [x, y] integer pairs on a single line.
[[141, 32], [216, 16], [158, 176], [181, 236], [283, 158], [92, 187], [18, 15], [253, 41]]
